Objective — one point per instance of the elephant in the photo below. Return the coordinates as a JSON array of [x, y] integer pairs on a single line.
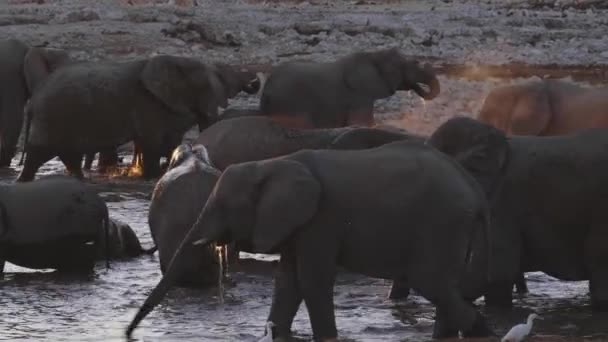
[[88, 107], [177, 199], [545, 107], [342, 92], [22, 69], [547, 207], [67, 232], [325, 199], [123, 242]]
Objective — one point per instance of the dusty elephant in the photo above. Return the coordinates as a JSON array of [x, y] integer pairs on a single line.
[[123, 242], [22, 69], [178, 198], [67, 231], [547, 195], [342, 93], [545, 107], [324, 198], [87, 107]]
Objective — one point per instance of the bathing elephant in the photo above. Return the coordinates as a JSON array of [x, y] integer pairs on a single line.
[[123, 242], [325, 199], [342, 93], [55, 222], [545, 107], [178, 198], [548, 207], [88, 107], [22, 69]]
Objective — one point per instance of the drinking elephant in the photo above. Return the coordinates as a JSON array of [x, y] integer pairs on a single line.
[[324, 198], [22, 69], [547, 195], [342, 93], [545, 107], [178, 198], [87, 107], [123, 242], [55, 222]]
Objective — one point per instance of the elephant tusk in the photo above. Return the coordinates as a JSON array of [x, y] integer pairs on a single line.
[[424, 87]]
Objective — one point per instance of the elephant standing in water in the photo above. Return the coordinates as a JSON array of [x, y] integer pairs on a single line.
[[55, 222], [22, 69], [342, 93], [548, 196], [88, 107], [123, 242], [319, 210], [178, 198], [545, 107]]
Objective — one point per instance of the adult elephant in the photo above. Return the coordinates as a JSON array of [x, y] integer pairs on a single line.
[[123, 242], [545, 107], [324, 199], [22, 69], [178, 198], [66, 232], [342, 93], [88, 107], [548, 207], [233, 81]]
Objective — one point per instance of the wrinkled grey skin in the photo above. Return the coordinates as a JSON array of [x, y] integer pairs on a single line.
[[87, 107], [66, 231], [325, 198], [342, 93], [22, 69], [178, 198], [545, 107], [257, 137], [547, 195], [124, 242]]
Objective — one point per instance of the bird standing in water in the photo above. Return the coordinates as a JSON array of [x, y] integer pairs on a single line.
[[519, 332]]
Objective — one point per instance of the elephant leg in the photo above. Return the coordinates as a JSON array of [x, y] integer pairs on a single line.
[[499, 294], [520, 283], [34, 158], [108, 158], [598, 287], [2, 264], [400, 289], [12, 122], [88, 160], [7, 153], [73, 162], [151, 163], [286, 298], [441, 328], [596, 260]]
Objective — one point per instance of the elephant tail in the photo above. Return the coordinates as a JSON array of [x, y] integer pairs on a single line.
[[27, 110]]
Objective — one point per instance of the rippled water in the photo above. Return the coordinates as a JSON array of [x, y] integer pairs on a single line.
[[43, 306]]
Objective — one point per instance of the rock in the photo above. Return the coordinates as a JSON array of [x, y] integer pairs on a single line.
[[78, 16]]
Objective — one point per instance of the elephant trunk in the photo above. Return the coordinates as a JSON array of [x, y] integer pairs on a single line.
[[421, 78], [173, 270]]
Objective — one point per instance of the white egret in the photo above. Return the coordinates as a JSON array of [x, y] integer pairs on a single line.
[[519, 332], [268, 337]]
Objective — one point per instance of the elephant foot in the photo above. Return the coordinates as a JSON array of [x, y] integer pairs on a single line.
[[500, 295], [480, 328], [4, 162], [441, 330], [399, 290]]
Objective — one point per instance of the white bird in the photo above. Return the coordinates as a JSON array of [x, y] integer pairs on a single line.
[[519, 332], [268, 336]]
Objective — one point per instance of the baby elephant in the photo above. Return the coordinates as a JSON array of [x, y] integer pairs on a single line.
[[124, 242]]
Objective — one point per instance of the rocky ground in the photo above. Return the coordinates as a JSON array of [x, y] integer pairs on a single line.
[[474, 44]]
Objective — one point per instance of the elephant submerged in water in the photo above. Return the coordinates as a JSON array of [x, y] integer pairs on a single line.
[[547, 195], [342, 92], [22, 69], [123, 242], [88, 107], [545, 107], [324, 198], [67, 232]]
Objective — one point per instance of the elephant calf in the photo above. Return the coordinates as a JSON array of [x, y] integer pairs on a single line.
[[123, 242], [324, 208], [56, 222]]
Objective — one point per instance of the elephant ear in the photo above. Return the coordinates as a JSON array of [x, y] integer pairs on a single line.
[[165, 78], [38, 63], [480, 148], [375, 74], [288, 198]]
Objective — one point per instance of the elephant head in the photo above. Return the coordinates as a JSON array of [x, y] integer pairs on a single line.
[[186, 86], [257, 204], [39, 62], [481, 149], [380, 74], [522, 109], [186, 151], [236, 81]]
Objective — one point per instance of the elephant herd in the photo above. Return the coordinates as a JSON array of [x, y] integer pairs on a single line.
[[457, 215]]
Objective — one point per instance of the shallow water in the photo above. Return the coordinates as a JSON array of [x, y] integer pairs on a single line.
[[44, 306]]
